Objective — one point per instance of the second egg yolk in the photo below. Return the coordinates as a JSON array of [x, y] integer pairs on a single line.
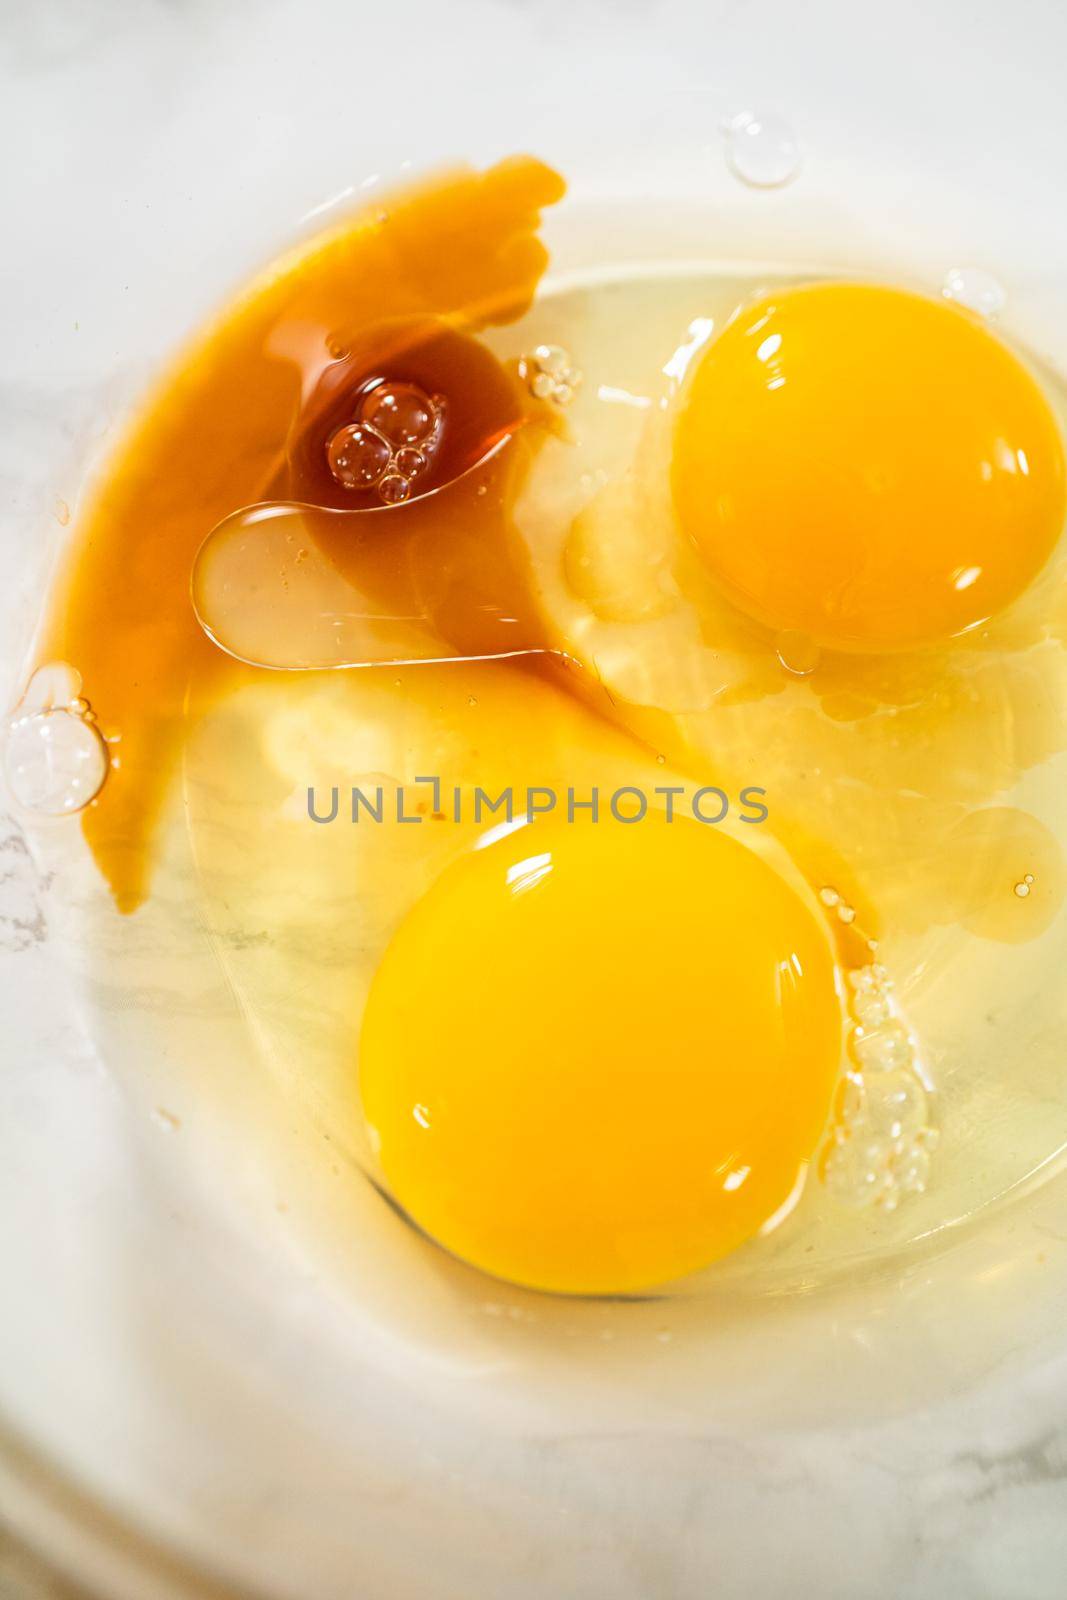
[[596, 1057], [867, 467]]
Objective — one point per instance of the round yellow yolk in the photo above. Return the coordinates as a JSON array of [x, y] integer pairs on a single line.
[[868, 467], [596, 1057]]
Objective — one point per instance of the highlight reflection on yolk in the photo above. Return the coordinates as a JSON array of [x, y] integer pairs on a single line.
[[868, 467], [594, 1058]]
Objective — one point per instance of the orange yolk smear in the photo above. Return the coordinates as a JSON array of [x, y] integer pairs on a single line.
[[462, 246], [866, 467], [597, 1057]]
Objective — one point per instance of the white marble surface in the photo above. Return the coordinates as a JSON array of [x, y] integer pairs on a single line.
[[187, 1387]]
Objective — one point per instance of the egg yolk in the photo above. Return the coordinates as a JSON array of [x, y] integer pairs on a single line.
[[867, 467], [597, 1057]]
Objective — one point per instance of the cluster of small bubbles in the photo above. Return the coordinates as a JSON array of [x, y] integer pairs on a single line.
[[977, 290], [761, 150], [390, 444], [841, 908], [549, 374], [1023, 887], [879, 1149], [55, 758]]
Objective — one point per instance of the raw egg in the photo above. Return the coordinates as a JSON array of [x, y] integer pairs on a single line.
[[867, 467], [800, 540], [595, 1058]]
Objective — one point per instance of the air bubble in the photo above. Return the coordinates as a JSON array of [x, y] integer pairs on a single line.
[[896, 1104], [833, 901], [553, 360], [883, 1049], [394, 489], [857, 1171], [977, 290], [550, 374], [1023, 887], [401, 412], [762, 150], [871, 1008], [866, 979], [797, 653], [55, 760], [913, 1170], [358, 456], [852, 1098]]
